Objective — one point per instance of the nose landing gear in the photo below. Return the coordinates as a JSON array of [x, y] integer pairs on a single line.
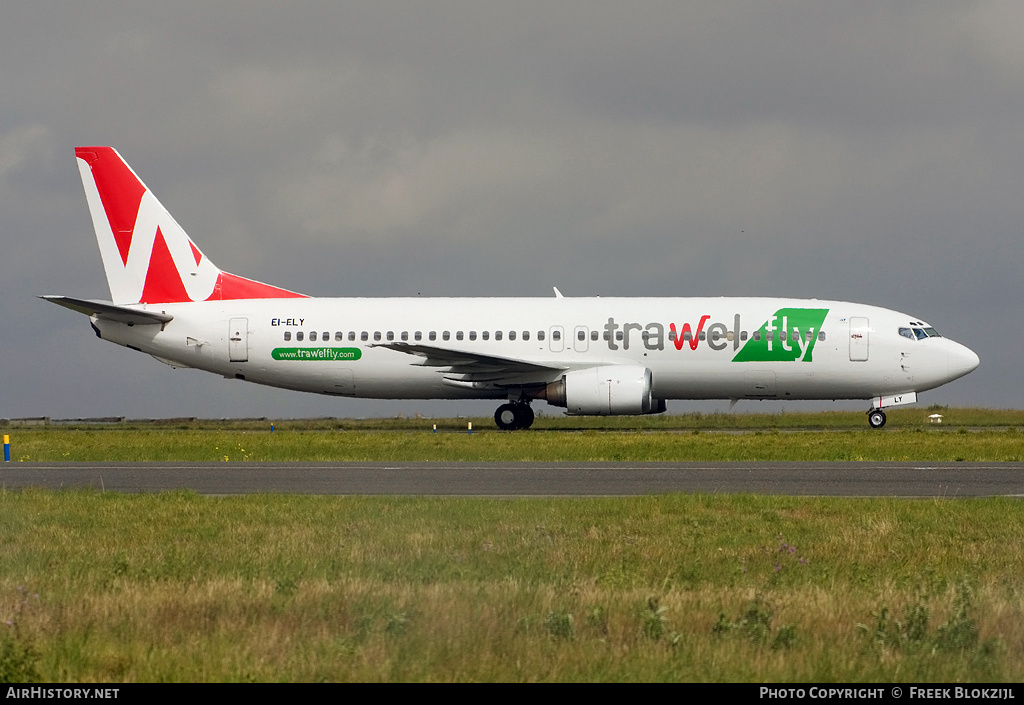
[[876, 418], [514, 416]]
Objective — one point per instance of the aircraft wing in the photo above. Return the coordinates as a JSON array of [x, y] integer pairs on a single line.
[[471, 367], [111, 311]]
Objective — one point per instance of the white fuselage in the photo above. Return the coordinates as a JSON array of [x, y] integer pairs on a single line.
[[591, 356], [695, 348]]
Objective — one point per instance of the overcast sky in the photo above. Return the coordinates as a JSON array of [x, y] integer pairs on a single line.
[[861, 151]]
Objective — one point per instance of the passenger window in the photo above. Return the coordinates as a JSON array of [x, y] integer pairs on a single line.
[[556, 335], [608, 336], [498, 334], [485, 335], [782, 335], [472, 335], [458, 335], [418, 335], [526, 335], [593, 335], [821, 335], [339, 335], [671, 335], [312, 336], [446, 336], [703, 335], [325, 336], [757, 335], [287, 335], [364, 336], [743, 335], [391, 335], [618, 335], [540, 335], [581, 335], [405, 335], [376, 335], [351, 335], [511, 335], [298, 335], [432, 335]]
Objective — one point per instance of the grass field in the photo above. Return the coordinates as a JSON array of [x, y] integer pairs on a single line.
[[967, 434], [180, 587], [899, 417]]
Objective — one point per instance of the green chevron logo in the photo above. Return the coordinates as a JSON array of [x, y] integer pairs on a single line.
[[788, 336]]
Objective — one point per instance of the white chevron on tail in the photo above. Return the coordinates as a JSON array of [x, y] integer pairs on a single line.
[[147, 256]]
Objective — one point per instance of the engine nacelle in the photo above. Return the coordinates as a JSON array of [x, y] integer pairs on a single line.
[[605, 391]]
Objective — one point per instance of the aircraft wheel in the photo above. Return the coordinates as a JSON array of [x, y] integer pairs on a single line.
[[506, 417], [524, 416], [876, 418]]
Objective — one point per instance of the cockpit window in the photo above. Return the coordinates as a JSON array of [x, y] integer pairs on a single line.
[[906, 333], [922, 333]]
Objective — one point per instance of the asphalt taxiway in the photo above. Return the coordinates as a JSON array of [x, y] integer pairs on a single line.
[[834, 479]]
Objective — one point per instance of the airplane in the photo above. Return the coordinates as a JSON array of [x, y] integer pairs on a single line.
[[586, 355]]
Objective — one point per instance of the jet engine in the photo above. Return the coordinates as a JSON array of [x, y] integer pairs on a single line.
[[605, 391]]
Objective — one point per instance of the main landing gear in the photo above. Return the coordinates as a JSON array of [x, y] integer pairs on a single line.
[[876, 418], [514, 416]]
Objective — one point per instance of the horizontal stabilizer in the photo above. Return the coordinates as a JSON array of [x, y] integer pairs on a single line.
[[111, 311]]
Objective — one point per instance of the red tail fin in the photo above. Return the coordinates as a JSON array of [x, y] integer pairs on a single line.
[[147, 256]]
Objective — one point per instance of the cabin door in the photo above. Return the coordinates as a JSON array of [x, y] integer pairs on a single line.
[[859, 339], [238, 340], [555, 342], [581, 339]]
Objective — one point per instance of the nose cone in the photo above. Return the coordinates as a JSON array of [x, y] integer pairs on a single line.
[[961, 360]]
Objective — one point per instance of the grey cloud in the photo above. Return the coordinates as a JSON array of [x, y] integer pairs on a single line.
[[864, 151]]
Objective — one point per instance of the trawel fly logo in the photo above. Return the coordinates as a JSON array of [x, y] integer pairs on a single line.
[[788, 336], [316, 354]]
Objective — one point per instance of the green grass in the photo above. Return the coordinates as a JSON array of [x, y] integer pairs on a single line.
[[901, 417], [292, 443], [180, 587]]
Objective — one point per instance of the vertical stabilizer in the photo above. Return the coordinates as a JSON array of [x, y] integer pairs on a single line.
[[147, 256]]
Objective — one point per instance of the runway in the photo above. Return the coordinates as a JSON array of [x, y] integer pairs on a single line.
[[838, 479]]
